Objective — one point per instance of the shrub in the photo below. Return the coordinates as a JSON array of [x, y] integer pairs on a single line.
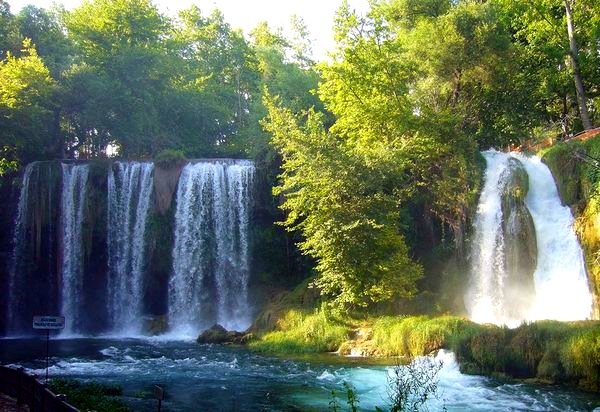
[[90, 396], [581, 358], [169, 157], [299, 332], [415, 335]]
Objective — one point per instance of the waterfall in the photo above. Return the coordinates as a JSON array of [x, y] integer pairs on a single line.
[[73, 205], [15, 289], [209, 281], [129, 193], [560, 280]]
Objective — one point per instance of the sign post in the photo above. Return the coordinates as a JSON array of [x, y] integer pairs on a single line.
[[48, 323], [159, 393]]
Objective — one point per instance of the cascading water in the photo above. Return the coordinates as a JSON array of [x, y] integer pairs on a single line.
[[561, 288], [129, 193], [73, 204], [19, 244], [210, 255]]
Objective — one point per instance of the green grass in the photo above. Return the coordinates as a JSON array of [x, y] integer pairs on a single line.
[[415, 335], [546, 350], [302, 332], [169, 157], [90, 396]]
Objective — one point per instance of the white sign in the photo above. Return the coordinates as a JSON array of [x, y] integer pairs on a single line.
[[48, 322]]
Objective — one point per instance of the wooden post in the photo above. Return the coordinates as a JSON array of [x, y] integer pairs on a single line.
[[159, 393], [20, 372], [47, 352]]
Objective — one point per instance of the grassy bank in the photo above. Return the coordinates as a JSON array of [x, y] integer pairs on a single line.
[[304, 332], [551, 351], [564, 352], [90, 396]]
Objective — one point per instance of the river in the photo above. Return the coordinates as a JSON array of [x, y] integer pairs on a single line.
[[212, 377]]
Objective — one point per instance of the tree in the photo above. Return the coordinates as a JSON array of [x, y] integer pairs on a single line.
[[553, 52], [346, 209], [574, 57], [221, 67], [47, 31], [10, 38], [26, 91], [123, 42]]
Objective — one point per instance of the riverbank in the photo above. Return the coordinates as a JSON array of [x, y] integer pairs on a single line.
[[229, 377], [549, 351]]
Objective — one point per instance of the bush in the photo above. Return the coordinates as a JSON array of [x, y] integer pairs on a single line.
[[91, 396], [548, 350], [581, 358], [169, 157], [299, 332], [415, 335]]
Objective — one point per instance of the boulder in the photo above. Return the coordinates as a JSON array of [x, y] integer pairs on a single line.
[[155, 325], [219, 335], [520, 244]]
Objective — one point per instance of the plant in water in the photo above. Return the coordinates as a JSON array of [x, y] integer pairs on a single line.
[[410, 386], [352, 397]]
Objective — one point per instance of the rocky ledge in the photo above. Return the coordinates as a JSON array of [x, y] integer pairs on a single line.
[[218, 334]]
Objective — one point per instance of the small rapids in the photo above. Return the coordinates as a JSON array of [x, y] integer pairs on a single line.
[[210, 377]]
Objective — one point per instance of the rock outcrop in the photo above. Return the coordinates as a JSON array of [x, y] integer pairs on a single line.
[[219, 335], [520, 245]]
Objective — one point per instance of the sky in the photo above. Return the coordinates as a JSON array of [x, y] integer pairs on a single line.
[[246, 14]]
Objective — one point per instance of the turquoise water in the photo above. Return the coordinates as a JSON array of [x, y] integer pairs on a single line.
[[211, 377]]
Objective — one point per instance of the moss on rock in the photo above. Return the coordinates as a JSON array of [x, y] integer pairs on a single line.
[[579, 187]]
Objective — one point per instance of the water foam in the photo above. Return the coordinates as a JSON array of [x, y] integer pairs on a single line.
[[560, 279]]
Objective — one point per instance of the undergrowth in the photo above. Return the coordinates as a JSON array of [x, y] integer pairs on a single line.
[[91, 396], [302, 332]]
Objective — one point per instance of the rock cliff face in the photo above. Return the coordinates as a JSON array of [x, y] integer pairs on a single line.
[[166, 178], [520, 247]]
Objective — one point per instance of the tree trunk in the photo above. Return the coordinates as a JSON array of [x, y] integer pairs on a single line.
[[574, 53]]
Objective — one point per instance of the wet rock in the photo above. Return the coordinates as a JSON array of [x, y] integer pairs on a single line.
[[520, 244], [219, 335], [155, 325]]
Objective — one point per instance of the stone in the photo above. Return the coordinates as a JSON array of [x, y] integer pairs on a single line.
[[217, 334], [520, 244]]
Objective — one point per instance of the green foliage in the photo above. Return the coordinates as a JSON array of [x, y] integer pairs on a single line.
[[346, 209], [548, 350], [352, 397], [26, 92], [411, 386], [581, 358], [168, 158], [539, 35], [300, 332], [47, 32], [416, 335], [90, 396]]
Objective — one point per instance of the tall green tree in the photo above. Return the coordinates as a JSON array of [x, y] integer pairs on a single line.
[[10, 37], [346, 209], [26, 109], [46, 30], [558, 55], [221, 67], [124, 41]]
